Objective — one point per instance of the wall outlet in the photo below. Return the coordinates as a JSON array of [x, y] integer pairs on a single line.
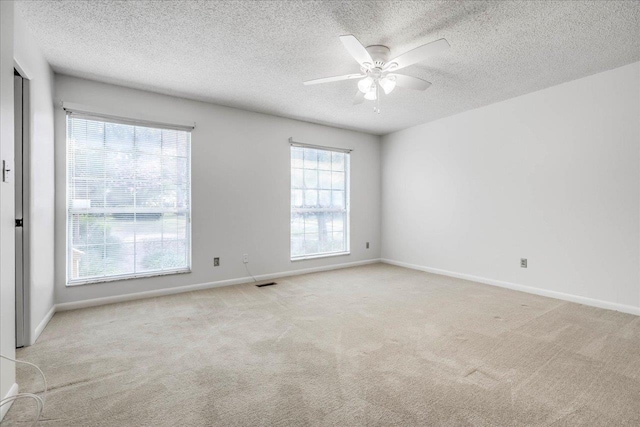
[[216, 262], [523, 262], [245, 258], [367, 245]]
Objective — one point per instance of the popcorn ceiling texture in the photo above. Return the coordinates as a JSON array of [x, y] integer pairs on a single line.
[[255, 55]]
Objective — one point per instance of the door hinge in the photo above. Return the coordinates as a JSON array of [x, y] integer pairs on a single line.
[[19, 222]]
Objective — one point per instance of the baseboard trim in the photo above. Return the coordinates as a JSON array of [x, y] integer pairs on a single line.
[[43, 324], [528, 289], [12, 392], [200, 286]]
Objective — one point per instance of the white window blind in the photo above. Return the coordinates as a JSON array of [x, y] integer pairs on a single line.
[[128, 200], [319, 202]]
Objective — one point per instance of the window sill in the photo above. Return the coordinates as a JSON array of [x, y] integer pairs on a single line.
[[327, 255], [93, 281]]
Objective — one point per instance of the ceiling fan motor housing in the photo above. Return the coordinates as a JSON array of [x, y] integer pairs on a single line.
[[379, 54]]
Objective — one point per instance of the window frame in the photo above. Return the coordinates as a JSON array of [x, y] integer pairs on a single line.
[[347, 208], [69, 282]]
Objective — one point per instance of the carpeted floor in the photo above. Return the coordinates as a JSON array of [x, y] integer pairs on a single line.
[[372, 345]]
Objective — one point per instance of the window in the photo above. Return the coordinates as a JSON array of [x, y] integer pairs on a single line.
[[319, 202], [128, 200]]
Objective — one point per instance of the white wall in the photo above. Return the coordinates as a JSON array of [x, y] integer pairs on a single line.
[[240, 187], [7, 231], [40, 223], [552, 176]]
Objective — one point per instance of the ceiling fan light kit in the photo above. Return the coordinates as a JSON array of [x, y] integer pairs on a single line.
[[377, 72]]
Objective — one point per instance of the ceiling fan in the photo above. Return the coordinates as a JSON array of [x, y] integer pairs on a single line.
[[378, 73]]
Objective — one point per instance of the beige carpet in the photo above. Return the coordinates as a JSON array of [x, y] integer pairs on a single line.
[[373, 345]]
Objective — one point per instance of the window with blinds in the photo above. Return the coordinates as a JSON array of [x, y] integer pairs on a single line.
[[128, 200], [319, 202]]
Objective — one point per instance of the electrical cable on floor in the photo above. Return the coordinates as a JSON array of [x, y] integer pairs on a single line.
[[39, 404], [39, 400], [246, 266]]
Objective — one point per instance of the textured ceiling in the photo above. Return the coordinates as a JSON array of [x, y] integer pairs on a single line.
[[255, 55]]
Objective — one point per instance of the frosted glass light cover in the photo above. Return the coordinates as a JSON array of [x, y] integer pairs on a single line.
[[365, 84], [371, 95], [388, 84]]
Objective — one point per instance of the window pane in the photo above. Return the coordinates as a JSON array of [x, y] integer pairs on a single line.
[[296, 157], [119, 193], [296, 178], [95, 228], [311, 223], [338, 199], [173, 254], [148, 167], [148, 140], [337, 180], [337, 161], [310, 179], [324, 225], [119, 165], [338, 222], [324, 160], [87, 193], [310, 159], [324, 180], [310, 198], [86, 134], [174, 226], [310, 244], [297, 244], [324, 198], [88, 163], [119, 259], [87, 261], [338, 241], [128, 204], [296, 198], [318, 201], [119, 137], [297, 224], [173, 168], [172, 144], [120, 228], [150, 226]]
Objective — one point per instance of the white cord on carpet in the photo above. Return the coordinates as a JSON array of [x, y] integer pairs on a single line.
[[39, 404], [246, 265], [39, 400]]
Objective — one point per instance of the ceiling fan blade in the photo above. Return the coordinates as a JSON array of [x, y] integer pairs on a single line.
[[333, 79], [409, 82], [356, 49], [359, 98], [419, 54]]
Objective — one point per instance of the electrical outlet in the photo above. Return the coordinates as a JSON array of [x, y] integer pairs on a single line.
[[245, 258], [367, 245], [523, 262], [216, 262]]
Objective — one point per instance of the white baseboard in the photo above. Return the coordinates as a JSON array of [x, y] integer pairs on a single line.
[[12, 392], [43, 324], [528, 289], [189, 288]]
